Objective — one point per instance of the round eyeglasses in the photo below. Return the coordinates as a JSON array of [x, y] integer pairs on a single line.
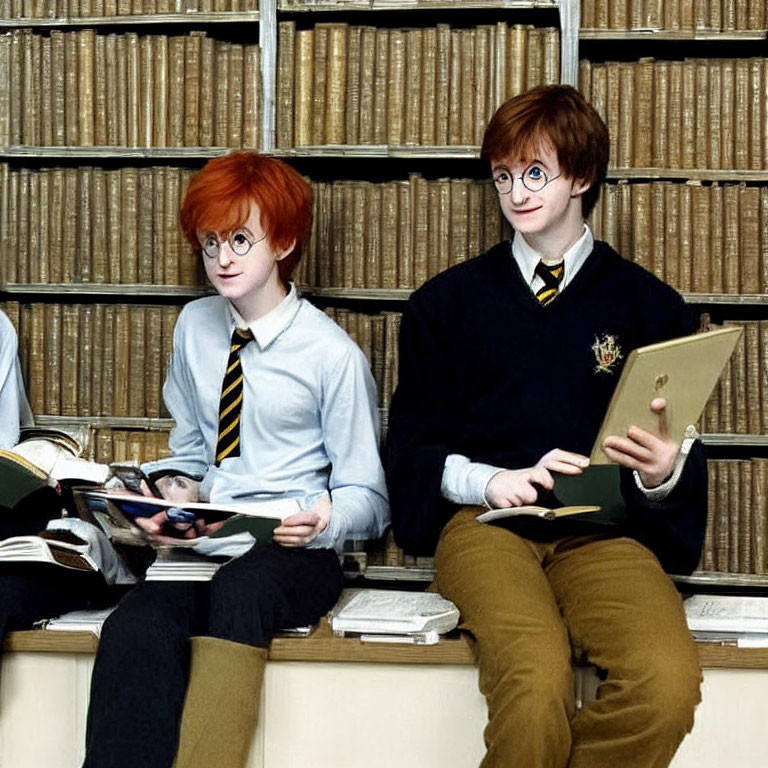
[[240, 242], [534, 179]]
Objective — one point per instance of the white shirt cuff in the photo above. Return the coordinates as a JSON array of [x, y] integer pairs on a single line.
[[465, 481], [662, 491]]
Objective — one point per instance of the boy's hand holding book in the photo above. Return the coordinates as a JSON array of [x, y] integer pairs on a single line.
[[651, 455], [299, 529]]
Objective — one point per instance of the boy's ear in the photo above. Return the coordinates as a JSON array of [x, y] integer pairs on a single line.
[[579, 187], [280, 255]]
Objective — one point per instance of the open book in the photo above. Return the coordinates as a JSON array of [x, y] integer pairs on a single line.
[[115, 513], [60, 548], [596, 490]]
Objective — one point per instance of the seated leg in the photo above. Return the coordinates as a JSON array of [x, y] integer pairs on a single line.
[[625, 615], [522, 648]]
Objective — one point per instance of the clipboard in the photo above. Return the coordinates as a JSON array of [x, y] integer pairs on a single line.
[[684, 371]]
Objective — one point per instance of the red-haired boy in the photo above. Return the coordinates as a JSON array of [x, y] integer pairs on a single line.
[[307, 429], [507, 365]]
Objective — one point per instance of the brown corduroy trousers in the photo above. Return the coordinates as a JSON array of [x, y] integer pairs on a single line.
[[533, 608]]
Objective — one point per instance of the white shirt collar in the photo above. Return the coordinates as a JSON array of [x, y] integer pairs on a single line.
[[527, 258], [268, 327]]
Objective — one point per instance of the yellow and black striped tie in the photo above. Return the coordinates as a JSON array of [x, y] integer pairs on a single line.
[[231, 402], [551, 274]]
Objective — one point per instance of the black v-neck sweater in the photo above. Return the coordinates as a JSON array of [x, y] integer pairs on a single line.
[[487, 372]]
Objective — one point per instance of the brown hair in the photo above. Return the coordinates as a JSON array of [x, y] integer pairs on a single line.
[[560, 116], [219, 199]]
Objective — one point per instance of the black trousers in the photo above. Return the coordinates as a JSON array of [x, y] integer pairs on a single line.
[[142, 666], [30, 592]]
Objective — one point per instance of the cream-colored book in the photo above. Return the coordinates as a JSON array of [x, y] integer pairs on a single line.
[[684, 371]]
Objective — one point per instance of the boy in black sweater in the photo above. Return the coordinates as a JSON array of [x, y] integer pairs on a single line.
[[507, 365]]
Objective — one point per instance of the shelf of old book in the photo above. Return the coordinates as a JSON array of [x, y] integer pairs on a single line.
[[198, 154], [410, 5], [703, 35], [102, 422], [189, 18], [688, 174], [107, 289], [368, 151], [739, 440]]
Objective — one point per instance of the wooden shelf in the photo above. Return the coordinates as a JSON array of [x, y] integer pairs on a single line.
[[107, 289], [25, 151], [686, 174], [740, 440], [192, 17], [409, 151], [709, 35], [322, 646], [300, 6]]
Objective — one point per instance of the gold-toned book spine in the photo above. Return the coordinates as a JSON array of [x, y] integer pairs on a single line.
[[175, 129], [414, 60], [170, 315], [675, 119], [534, 74], [137, 360], [85, 85], [114, 222], [480, 110], [467, 86], [672, 235], [145, 256], [758, 114], [46, 103], [749, 210], [108, 362], [391, 332], [235, 122], [389, 227], [159, 47], [707, 562], [55, 223], [128, 255], [303, 87], [367, 74], [701, 113], [33, 228], [5, 89], [404, 241], [373, 243], [153, 361], [69, 269], [192, 48], [428, 88], [352, 95], [99, 254], [672, 19], [29, 88], [442, 84], [83, 226], [71, 112], [122, 360], [319, 78], [286, 54], [686, 242], [97, 359], [741, 127], [358, 233], [641, 235], [656, 262], [728, 114], [643, 113], [700, 267], [760, 519], [70, 359], [101, 105], [688, 116], [52, 355], [381, 80], [625, 137], [659, 116], [207, 96], [499, 65], [732, 238], [700, 14], [34, 331], [751, 393], [714, 115], [85, 361], [454, 89], [171, 267], [613, 107], [443, 229], [15, 85], [716, 219], [252, 88], [459, 202], [396, 88], [158, 221], [336, 84], [133, 89]]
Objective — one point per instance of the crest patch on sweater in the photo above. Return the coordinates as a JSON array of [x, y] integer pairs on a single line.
[[607, 353]]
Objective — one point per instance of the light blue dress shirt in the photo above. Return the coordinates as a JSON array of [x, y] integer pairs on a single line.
[[309, 421], [14, 407]]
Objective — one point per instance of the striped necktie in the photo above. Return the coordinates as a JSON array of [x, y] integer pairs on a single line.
[[231, 401], [551, 274]]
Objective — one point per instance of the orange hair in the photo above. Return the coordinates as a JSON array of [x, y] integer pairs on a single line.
[[559, 116], [219, 199]]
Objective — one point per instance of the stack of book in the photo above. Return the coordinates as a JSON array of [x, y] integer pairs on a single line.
[[736, 620]]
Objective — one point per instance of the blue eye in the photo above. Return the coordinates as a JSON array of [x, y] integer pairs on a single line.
[[535, 173]]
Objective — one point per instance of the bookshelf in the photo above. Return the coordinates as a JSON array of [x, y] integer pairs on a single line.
[[380, 197], [705, 170]]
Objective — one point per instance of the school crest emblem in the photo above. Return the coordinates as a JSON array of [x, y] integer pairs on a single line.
[[607, 353]]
